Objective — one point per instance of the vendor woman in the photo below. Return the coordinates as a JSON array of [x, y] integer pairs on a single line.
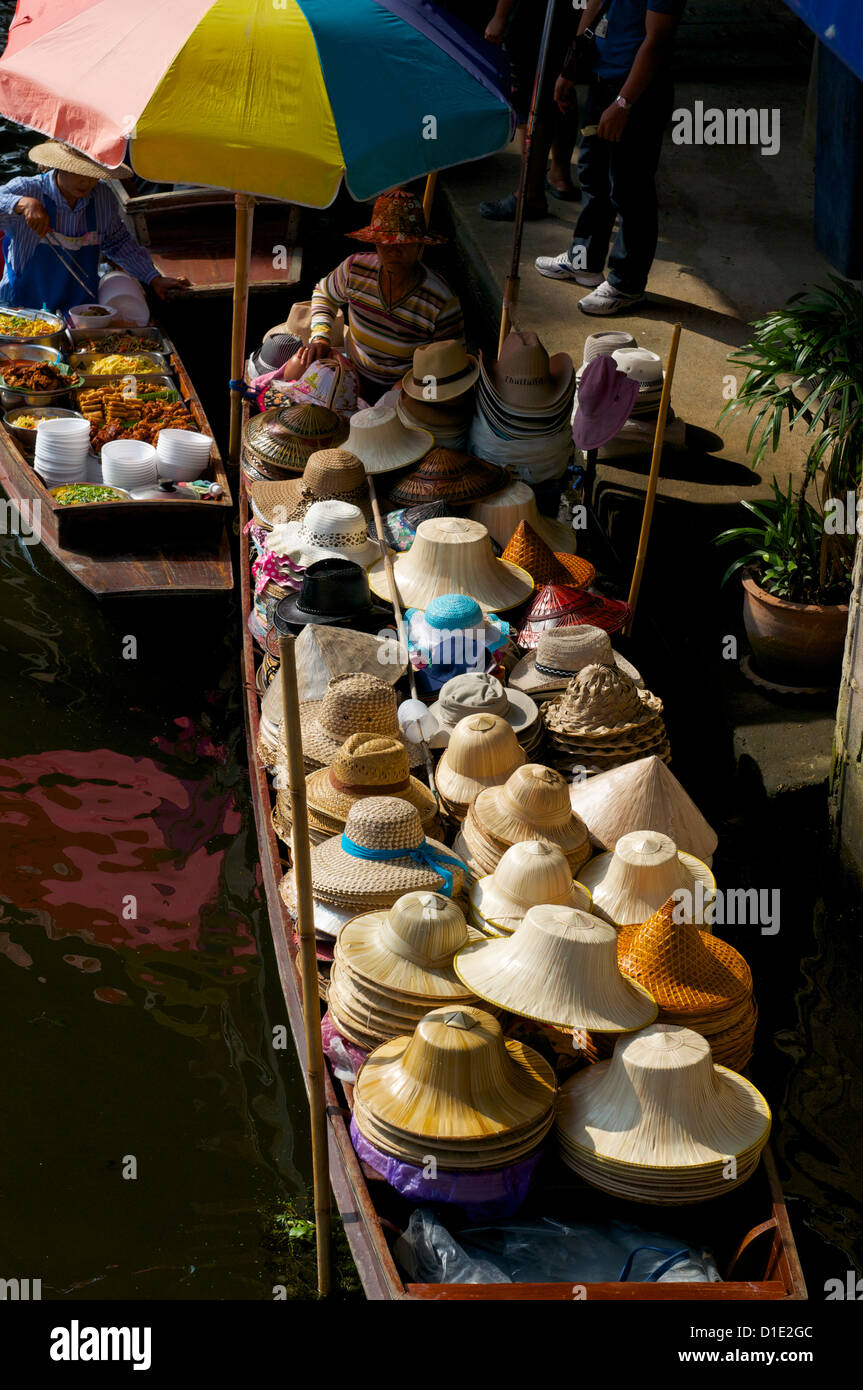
[[74, 202], [392, 302]]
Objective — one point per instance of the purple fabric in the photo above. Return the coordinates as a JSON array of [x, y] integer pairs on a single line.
[[334, 1043], [486, 1196], [484, 61]]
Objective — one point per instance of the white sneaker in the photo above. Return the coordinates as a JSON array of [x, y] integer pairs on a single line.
[[608, 300], [561, 268]]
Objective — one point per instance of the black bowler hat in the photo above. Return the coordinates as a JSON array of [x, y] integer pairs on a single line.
[[333, 591]]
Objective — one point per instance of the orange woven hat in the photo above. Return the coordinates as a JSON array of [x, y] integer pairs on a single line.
[[686, 970], [530, 551], [580, 572]]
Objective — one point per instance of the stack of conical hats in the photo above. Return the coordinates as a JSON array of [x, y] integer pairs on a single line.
[[698, 981], [604, 719], [643, 795], [660, 1122], [527, 549], [482, 752], [455, 1091], [391, 967], [533, 804], [531, 872], [643, 872]]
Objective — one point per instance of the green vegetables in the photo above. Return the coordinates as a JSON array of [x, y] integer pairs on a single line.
[[76, 494]]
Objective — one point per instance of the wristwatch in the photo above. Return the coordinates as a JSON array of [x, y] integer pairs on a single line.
[[623, 103]]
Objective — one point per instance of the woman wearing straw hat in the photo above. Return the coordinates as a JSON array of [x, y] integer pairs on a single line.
[[392, 302], [73, 202]]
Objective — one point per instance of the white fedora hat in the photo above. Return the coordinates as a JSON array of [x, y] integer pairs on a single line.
[[330, 530]]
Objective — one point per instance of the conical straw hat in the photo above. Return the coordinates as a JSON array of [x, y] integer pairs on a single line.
[[451, 555], [530, 872], [409, 949], [642, 873], [482, 752], [686, 970], [561, 968], [533, 805], [662, 1104], [641, 795], [456, 1079], [447, 475], [527, 549], [517, 502]]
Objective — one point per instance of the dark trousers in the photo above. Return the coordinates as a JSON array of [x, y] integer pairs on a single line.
[[618, 179]]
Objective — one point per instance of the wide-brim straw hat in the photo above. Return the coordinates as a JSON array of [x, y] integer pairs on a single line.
[[447, 475], [661, 1105], [408, 950], [328, 474], [642, 795], [517, 502], [565, 605], [54, 154], [559, 968], [441, 371], [643, 872], [456, 1079], [688, 972], [476, 692], [529, 872], [482, 752], [282, 439], [524, 378], [355, 702], [380, 440], [561, 653], [532, 805], [389, 827], [452, 555], [606, 341], [367, 764], [601, 703]]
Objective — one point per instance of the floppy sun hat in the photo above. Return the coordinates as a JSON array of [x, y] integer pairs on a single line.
[[53, 154], [605, 400], [398, 219]]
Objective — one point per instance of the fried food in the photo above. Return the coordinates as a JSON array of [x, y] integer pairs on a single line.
[[115, 416], [34, 376]]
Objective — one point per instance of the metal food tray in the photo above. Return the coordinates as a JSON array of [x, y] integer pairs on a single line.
[[82, 360], [151, 334], [42, 339], [143, 383]]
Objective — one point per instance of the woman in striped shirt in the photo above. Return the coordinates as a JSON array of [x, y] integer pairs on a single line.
[[393, 303]]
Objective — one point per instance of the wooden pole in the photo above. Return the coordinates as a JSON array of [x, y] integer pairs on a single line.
[[308, 963], [650, 495], [245, 212], [428, 195], [512, 283]]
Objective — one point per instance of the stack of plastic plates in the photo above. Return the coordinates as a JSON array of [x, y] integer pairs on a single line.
[[62, 447], [128, 463], [182, 454]]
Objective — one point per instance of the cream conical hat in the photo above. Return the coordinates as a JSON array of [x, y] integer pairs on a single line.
[[642, 873], [561, 968], [533, 805], [383, 443], [530, 872], [661, 1103], [456, 1079], [451, 555], [409, 949], [641, 795], [503, 512], [482, 752]]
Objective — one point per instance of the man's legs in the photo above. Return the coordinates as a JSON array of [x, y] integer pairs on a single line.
[[633, 190]]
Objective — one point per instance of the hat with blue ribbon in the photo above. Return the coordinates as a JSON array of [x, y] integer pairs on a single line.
[[381, 854]]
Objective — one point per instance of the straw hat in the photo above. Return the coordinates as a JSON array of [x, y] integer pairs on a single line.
[[448, 422], [408, 950], [643, 872], [54, 154], [355, 702], [660, 1122], [440, 372], [530, 872], [404, 860], [366, 765], [694, 977], [524, 378], [457, 1080], [544, 567], [603, 719], [476, 692], [565, 605], [533, 805], [282, 439], [449, 556], [517, 502], [299, 322], [398, 218], [560, 968], [383, 443], [641, 795], [561, 653], [447, 475], [323, 652], [607, 341], [329, 473], [482, 752]]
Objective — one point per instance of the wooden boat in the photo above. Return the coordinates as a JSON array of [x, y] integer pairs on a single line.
[[190, 231], [749, 1230], [125, 548]]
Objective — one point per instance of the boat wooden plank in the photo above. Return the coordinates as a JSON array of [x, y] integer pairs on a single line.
[[769, 1291]]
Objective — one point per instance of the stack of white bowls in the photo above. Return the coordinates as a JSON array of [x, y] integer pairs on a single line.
[[123, 294], [182, 454], [62, 447], [128, 463]]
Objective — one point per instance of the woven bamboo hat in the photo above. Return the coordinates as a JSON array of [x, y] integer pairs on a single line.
[[641, 874], [690, 973], [641, 795], [282, 440], [440, 371], [403, 860], [366, 765], [560, 968], [561, 653], [482, 752], [354, 703], [476, 692], [530, 872], [447, 475], [660, 1122], [517, 502], [603, 719], [528, 550], [383, 443], [533, 805], [566, 605], [328, 474], [452, 555], [408, 950], [456, 1079], [54, 154]]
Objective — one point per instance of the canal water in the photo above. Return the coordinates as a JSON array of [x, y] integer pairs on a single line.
[[154, 1143]]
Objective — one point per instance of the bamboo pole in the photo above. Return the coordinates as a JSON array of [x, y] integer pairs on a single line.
[[513, 280], [428, 195], [653, 479], [308, 963], [245, 212]]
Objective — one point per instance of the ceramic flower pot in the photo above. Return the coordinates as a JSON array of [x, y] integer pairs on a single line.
[[793, 643]]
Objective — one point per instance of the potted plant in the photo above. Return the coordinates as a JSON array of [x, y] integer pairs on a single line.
[[804, 370]]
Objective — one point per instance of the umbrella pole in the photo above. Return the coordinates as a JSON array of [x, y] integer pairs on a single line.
[[428, 195], [513, 280], [308, 963], [650, 495], [245, 212]]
